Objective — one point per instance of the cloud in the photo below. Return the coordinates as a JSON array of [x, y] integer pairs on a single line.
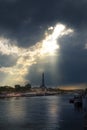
[[26, 21], [7, 61], [29, 56]]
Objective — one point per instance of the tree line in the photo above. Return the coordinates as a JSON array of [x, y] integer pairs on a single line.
[[17, 88]]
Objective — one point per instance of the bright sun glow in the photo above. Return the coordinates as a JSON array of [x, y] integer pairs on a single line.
[[49, 45]]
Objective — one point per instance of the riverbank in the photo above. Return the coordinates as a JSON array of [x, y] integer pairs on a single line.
[[30, 94]]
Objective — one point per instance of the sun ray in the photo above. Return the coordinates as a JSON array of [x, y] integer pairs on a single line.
[[29, 56]]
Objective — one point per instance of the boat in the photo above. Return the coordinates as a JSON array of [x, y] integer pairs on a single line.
[[77, 100], [71, 100]]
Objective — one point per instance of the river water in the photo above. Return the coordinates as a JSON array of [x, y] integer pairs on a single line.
[[40, 113]]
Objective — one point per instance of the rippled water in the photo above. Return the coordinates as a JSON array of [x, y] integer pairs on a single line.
[[39, 113]]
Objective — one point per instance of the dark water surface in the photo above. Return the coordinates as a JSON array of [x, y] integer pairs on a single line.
[[40, 113]]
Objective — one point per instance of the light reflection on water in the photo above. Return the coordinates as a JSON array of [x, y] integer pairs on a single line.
[[15, 110], [39, 113], [53, 110]]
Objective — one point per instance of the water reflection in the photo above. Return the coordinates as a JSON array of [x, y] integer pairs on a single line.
[[54, 111], [78, 108], [15, 109], [39, 113]]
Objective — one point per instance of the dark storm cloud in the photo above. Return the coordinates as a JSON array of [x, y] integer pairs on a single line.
[[73, 61], [26, 20]]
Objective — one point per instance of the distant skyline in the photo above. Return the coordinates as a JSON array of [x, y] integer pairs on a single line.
[[47, 36]]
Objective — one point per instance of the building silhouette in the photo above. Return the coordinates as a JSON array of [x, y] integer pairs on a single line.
[[43, 81]]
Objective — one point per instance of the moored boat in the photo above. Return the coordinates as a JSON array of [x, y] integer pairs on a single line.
[[77, 100], [71, 100]]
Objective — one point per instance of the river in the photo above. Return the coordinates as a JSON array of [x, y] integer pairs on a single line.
[[40, 113]]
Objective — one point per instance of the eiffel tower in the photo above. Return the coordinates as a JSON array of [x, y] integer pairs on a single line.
[[43, 82]]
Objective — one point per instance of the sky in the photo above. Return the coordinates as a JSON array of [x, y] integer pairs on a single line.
[[47, 36]]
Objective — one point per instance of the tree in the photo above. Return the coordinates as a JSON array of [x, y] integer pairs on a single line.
[[17, 87], [28, 86]]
